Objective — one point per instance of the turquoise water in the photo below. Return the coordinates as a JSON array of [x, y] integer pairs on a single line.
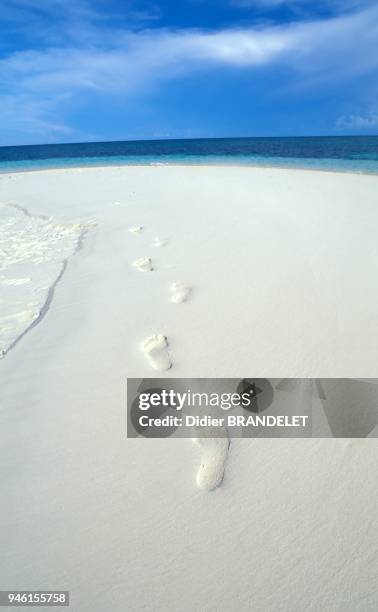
[[348, 154]]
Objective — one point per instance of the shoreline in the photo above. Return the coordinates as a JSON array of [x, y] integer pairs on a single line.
[[186, 165]]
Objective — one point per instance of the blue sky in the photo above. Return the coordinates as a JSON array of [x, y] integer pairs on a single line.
[[79, 70]]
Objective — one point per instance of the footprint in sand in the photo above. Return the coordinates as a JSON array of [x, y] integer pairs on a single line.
[[215, 450], [136, 229], [155, 349], [144, 264], [159, 242], [180, 292]]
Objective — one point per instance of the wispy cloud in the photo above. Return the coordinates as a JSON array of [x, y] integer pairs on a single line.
[[32, 117], [309, 47], [345, 5], [65, 22]]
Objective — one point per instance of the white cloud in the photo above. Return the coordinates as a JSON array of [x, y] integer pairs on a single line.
[[125, 60], [358, 122]]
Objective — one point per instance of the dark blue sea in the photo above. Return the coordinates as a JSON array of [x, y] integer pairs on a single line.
[[350, 153]]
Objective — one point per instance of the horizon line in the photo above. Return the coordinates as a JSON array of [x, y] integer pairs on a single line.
[[86, 142]]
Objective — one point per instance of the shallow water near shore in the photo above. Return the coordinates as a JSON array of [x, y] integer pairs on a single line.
[[342, 154]]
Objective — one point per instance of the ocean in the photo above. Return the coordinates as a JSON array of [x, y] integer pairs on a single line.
[[334, 153]]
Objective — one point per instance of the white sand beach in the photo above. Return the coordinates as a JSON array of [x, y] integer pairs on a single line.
[[238, 272]]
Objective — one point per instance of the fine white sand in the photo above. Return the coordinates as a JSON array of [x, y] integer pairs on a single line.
[[183, 272]]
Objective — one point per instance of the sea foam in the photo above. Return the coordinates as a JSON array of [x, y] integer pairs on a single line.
[[34, 252]]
